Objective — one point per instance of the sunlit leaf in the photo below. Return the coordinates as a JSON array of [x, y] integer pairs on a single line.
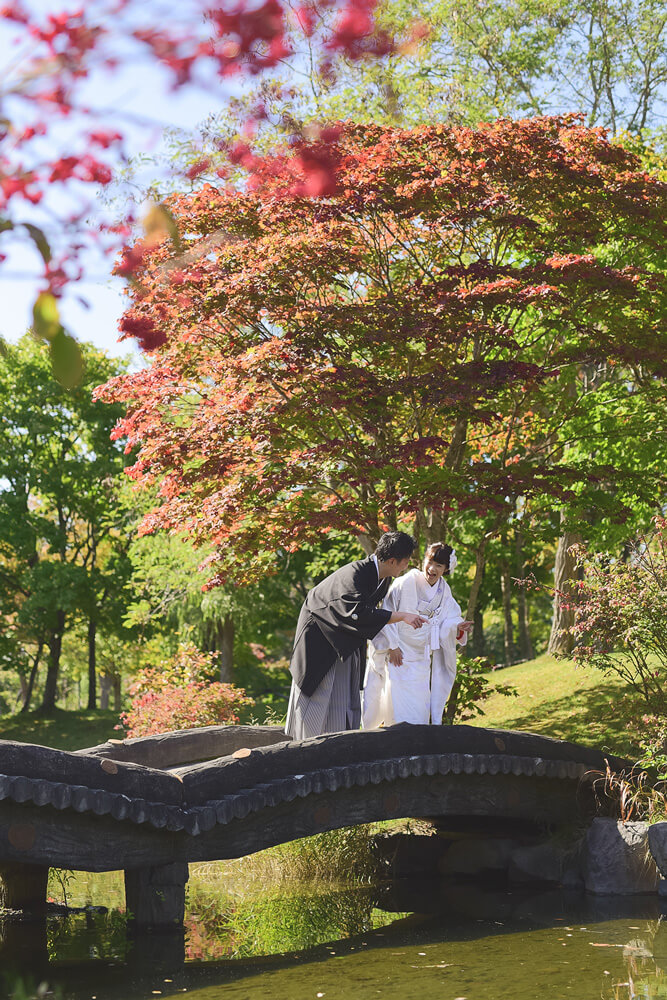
[[66, 359], [40, 241], [159, 222], [46, 318]]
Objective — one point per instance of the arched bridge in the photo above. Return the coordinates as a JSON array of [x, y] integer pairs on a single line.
[[150, 806]]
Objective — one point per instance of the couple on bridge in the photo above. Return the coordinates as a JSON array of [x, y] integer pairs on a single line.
[[411, 663]]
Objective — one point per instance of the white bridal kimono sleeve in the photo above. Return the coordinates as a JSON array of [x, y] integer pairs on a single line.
[[374, 705], [443, 667]]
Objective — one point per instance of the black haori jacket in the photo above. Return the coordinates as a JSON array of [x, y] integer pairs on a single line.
[[337, 618]]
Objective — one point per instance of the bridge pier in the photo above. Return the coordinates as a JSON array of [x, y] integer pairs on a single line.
[[155, 896], [23, 887]]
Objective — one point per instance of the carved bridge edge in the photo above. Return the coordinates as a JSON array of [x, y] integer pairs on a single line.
[[194, 819]]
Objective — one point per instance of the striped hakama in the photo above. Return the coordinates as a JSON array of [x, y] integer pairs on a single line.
[[333, 707]]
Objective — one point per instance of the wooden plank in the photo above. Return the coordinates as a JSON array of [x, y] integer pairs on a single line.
[[187, 745]]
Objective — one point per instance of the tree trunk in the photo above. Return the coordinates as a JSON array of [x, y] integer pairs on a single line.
[[367, 544], [117, 705], [477, 644], [106, 685], [508, 628], [226, 647], [480, 563], [435, 527], [526, 650], [561, 639], [525, 641], [92, 666], [27, 694], [53, 667]]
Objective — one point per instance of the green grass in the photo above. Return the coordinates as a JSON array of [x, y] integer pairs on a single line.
[[65, 730], [556, 699]]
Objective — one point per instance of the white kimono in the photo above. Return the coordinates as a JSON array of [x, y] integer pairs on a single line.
[[418, 690]]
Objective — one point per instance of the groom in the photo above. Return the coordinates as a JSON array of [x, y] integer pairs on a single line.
[[337, 618]]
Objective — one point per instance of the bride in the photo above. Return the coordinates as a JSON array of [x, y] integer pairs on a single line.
[[402, 684]]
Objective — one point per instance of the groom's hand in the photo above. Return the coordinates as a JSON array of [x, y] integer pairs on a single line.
[[415, 620]]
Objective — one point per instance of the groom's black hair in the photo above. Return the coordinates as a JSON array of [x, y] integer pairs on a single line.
[[395, 545]]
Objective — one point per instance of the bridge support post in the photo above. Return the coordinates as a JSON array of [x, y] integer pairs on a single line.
[[155, 897], [23, 887]]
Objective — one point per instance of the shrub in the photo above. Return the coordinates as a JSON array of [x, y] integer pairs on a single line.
[[621, 625], [177, 696], [472, 688], [187, 665], [650, 733]]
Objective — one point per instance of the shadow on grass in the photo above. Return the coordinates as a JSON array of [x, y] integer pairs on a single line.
[[596, 717], [72, 730]]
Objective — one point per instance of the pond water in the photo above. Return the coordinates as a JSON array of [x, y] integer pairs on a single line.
[[408, 940]]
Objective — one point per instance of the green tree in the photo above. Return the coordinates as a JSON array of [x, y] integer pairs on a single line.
[[462, 62], [61, 539], [168, 596], [480, 59]]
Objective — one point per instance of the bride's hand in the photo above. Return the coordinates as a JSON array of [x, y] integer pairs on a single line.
[[396, 657]]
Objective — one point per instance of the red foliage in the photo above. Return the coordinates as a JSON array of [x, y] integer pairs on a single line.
[[183, 706], [144, 329], [400, 342], [354, 31], [319, 167], [197, 168], [177, 695], [132, 258]]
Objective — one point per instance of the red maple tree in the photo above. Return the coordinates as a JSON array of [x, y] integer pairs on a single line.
[[396, 349]]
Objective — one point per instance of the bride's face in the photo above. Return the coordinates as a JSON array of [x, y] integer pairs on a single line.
[[432, 570]]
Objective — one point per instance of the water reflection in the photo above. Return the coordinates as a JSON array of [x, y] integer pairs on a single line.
[[224, 921], [410, 940]]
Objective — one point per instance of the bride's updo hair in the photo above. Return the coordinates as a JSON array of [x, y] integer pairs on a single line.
[[440, 553]]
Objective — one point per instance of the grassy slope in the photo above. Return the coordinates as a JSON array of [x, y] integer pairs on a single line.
[[557, 699], [66, 730]]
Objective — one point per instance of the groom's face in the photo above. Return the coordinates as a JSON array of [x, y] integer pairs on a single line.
[[398, 566]]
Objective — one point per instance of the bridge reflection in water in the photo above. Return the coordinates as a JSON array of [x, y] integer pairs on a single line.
[[152, 806]]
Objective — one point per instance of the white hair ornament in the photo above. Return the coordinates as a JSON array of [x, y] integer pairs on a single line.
[[453, 561]]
